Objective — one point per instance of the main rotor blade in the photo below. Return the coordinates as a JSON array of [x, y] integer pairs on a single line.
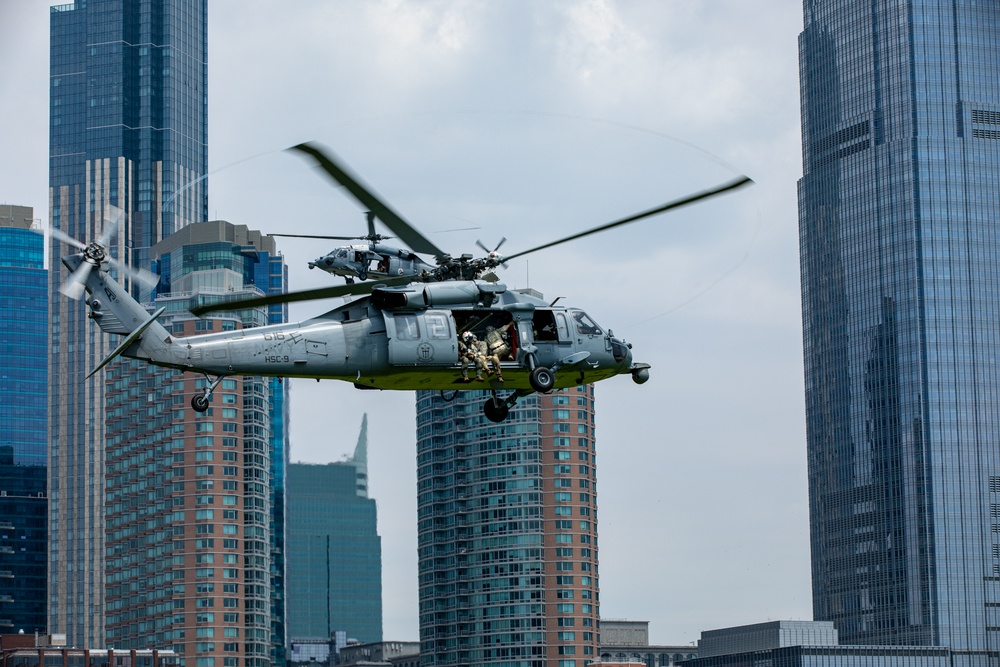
[[318, 236], [677, 203], [367, 198], [304, 295]]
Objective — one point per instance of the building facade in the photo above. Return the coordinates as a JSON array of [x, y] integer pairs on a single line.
[[627, 642], [334, 550], [901, 318], [813, 644], [24, 358], [507, 531], [127, 129], [191, 558]]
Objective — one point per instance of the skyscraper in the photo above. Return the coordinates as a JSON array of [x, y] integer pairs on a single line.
[[898, 209], [334, 551], [191, 555], [127, 128], [507, 531], [24, 355]]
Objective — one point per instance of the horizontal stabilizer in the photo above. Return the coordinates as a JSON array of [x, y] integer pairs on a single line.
[[128, 340]]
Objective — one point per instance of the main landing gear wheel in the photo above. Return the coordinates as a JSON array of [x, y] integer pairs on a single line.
[[495, 409], [199, 402], [542, 380]]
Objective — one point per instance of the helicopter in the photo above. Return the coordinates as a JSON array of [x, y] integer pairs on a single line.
[[373, 259], [400, 333]]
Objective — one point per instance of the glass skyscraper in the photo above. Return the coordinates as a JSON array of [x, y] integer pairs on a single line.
[[899, 207], [334, 550], [507, 531], [24, 355], [127, 128]]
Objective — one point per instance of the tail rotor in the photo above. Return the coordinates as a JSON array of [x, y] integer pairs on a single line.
[[95, 255]]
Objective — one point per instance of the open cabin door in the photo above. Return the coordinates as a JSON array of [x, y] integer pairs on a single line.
[[421, 338]]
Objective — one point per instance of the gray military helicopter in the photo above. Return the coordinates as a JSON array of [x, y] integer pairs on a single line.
[[369, 260], [399, 334]]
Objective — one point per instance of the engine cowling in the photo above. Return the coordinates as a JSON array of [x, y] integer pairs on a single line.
[[450, 293]]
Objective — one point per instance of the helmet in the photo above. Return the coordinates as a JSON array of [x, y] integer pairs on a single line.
[[468, 335]]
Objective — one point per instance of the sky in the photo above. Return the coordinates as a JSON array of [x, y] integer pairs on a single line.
[[533, 120]]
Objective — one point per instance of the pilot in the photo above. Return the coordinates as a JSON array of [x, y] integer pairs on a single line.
[[470, 349], [497, 347]]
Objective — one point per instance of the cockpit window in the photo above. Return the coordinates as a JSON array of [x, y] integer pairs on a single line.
[[585, 325], [406, 327], [342, 253]]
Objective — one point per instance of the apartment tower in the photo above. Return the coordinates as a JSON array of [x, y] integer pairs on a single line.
[[898, 212], [127, 129], [192, 559], [507, 531]]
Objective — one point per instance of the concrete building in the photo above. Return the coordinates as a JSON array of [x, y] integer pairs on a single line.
[[627, 642], [507, 531], [128, 105], [40, 650], [24, 358], [334, 550], [391, 654], [901, 318]]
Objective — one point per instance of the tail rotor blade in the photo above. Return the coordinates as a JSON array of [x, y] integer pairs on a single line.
[[73, 287], [59, 235], [112, 217], [147, 278]]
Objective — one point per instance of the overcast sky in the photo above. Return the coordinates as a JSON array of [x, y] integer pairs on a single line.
[[533, 120]]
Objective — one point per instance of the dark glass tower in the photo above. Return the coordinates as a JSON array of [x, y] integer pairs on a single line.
[[898, 211], [334, 551], [24, 355], [128, 128]]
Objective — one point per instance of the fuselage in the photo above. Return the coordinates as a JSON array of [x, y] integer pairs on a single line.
[[396, 338], [403, 349]]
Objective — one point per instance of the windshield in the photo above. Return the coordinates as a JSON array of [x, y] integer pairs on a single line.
[[585, 325]]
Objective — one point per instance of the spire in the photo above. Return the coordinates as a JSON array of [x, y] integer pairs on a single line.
[[361, 450], [360, 459]]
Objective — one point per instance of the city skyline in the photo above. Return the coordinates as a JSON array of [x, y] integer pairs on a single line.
[[427, 91]]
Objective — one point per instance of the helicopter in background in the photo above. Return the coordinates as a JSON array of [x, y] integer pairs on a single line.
[[370, 260], [401, 333]]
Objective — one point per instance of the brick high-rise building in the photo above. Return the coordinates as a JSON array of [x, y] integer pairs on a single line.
[[192, 559], [507, 531]]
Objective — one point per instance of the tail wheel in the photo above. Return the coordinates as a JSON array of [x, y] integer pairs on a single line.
[[495, 410], [542, 379]]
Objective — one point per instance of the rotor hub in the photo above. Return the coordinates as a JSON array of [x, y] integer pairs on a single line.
[[96, 252]]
